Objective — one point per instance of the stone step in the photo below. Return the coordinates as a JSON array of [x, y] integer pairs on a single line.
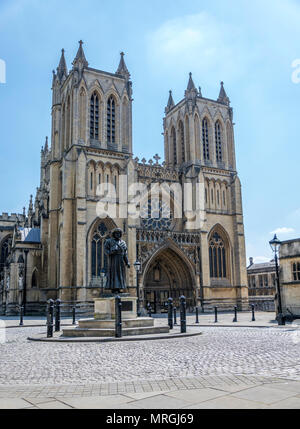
[[84, 332], [140, 322]]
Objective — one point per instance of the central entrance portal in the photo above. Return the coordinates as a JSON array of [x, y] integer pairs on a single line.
[[168, 276]]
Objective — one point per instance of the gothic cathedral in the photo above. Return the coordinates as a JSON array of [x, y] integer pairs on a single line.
[[56, 249]]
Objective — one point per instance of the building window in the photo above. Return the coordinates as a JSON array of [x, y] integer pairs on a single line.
[[218, 141], [94, 117], [224, 198], [173, 139], [34, 282], [261, 281], [212, 195], [296, 271], [205, 139], [5, 248], [91, 181], [218, 197], [99, 258], [273, 280], [266, 280], [206, 195], [99, 179], [111, 120], [217, 257], [181, 136]]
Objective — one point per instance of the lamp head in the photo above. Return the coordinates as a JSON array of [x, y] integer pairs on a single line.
[[275, 243]]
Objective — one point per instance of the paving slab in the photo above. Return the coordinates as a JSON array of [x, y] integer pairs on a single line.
[[196, 395], [160, 402], [227, 403], [97, 402], [265, 395], [18, 403]]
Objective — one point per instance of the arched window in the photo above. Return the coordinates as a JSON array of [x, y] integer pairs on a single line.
[[111, 120], [94, 117], [99, 259], [181, 137], [5, 248], [173, 139], [34, 282], [217, 257], [205, 139], [218, 139]]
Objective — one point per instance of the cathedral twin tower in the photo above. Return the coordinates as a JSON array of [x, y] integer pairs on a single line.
[[91, 144]]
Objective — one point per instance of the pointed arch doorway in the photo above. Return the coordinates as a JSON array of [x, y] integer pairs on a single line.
[[168, 275]]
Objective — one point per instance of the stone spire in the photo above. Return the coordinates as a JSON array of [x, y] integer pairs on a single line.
[[223, 96], [80, 59], [46, 145], [62, 70], [122, 69], [170, 102], [191, 91]]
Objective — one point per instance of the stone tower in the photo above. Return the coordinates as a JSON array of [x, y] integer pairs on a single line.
[[91, 144]]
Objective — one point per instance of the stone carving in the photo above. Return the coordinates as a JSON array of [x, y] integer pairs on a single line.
[[116, 249]]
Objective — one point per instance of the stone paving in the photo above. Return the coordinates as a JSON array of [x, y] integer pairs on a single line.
[[218, 364]]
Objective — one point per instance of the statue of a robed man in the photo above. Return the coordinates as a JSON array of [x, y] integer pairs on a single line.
[[116, 250]]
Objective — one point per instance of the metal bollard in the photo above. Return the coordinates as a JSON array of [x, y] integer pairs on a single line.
[[118, 317], [21, 315], [50, 318], [182, 314], [57, 315], [197, 315], [74, 314], [149, 309], [170, 313], [216, 314], [235, 314], [253, 313], [175, 316]]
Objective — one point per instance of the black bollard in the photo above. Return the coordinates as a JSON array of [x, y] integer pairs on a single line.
[[50, 318], [182, 314], [21, 315], [216, 314], [235, 314], [197, 315], [118, 317], [175, 316], [57, 315], [149, 309], [253, 313], [74, 314], [170, 313]]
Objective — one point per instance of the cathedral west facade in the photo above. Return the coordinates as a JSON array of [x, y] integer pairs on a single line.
[[191, 243]]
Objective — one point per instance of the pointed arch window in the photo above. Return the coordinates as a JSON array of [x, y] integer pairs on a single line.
[[94, 117], [99, 258], [34, 282], [5, 249], [181, 137], [173, 139], [218, 138], [111, 111], [217, 257], [205, 139]]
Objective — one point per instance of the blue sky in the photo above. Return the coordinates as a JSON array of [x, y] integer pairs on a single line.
[[249, 45]]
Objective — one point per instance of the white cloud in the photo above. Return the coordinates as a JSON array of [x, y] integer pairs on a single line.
[[260, 259], [197, 42], [283, 230]]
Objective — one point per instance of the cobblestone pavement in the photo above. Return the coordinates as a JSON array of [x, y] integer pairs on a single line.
[[265, 352]]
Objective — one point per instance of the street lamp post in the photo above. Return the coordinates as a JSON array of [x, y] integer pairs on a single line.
[[275, 245], [137, 266]]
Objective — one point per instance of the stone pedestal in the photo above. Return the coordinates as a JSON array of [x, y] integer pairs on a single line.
[[105, 307]]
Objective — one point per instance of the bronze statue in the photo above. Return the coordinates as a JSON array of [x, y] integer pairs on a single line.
[[116, 250]]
